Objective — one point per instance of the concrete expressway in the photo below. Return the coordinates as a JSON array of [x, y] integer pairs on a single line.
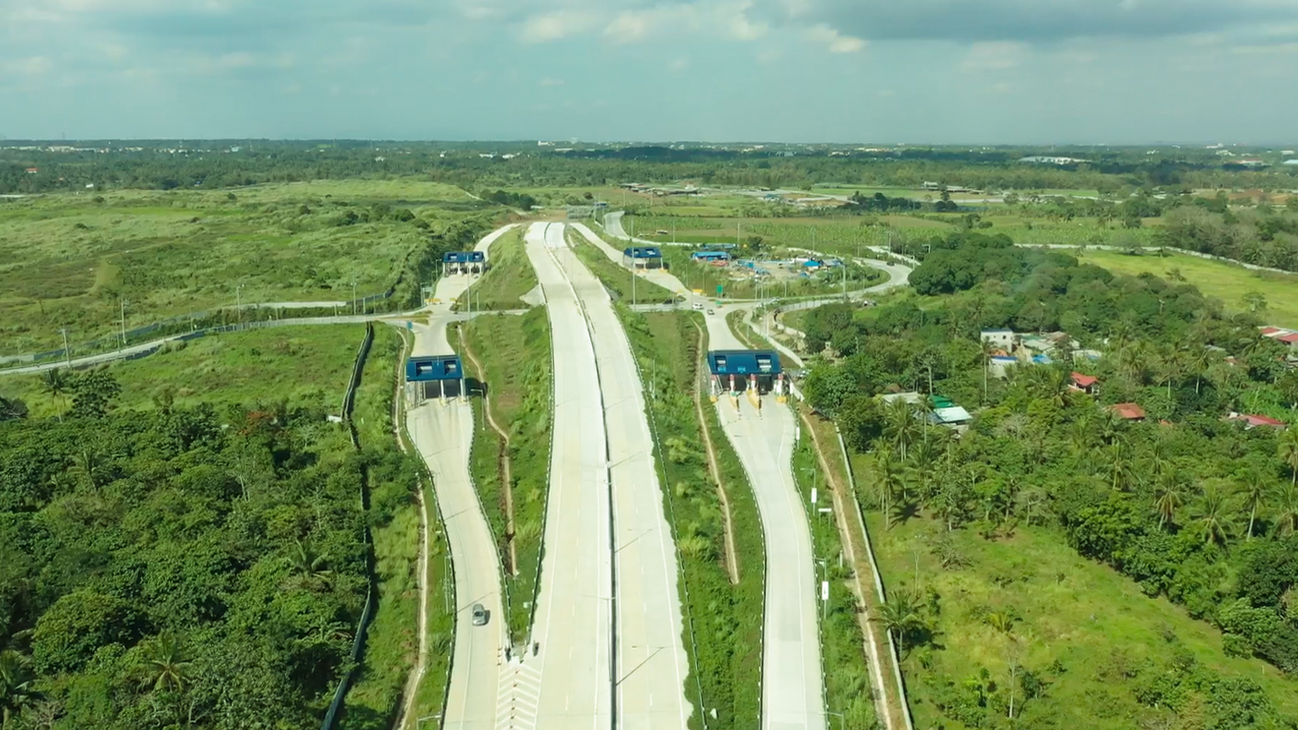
[[651, 659], [792, 684], [443, 434]]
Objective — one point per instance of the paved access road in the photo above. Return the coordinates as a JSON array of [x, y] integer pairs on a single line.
[[792, 685], [573, 622], [443, 434], [651, 661]]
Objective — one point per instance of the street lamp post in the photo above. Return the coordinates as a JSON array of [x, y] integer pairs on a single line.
[[238, 303]]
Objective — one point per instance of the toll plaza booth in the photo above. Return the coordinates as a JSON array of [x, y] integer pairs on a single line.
[[444, 371], [642, 257], [464, 262], [753, 371]]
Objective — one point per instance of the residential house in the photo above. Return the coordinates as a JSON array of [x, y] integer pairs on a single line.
[[1252, 421], [1002, 339], [999, 365], [1084, 383], [1128, 411]]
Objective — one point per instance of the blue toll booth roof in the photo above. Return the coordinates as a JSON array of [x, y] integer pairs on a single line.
[[463, 257], [442, 367], [744, 362], [643, 252]]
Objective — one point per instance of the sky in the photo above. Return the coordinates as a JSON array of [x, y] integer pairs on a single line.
[[867, 71]]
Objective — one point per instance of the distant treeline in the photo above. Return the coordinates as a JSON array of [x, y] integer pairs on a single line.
[[218, 165]]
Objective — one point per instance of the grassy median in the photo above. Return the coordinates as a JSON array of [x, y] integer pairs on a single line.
[[511, 355], [723, 621], [510, 277], [615, 277]]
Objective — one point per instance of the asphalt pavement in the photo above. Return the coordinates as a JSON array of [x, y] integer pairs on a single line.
[[651, 661], [574, 612]]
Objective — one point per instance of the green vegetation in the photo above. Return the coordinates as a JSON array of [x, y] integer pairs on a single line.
[[615, 277], [1227, 282], [238, 367], [511, 355], [847, 679], [723, 631], [509, 278], [223, 543], [1199, 511], [75, 261]]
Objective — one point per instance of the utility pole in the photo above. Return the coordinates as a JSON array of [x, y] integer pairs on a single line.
[[67, 350], [123, 302], [353, 297], [238, 303]]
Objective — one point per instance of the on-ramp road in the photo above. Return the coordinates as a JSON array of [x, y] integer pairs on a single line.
[[573, 623], [443, 434], [651, 661], [792, 685]]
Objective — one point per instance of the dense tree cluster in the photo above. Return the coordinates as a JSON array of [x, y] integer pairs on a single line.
[[179, 566], [1182, 502]]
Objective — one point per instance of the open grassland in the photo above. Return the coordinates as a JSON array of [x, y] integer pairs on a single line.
[[617, 279], [514, 354], [74, 260], [723, 620], [1227, 282], [509, 278], [1088, 634], [298, 365]]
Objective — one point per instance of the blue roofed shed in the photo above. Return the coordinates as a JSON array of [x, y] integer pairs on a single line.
[[744, 362], [463, 257], [440, 367]]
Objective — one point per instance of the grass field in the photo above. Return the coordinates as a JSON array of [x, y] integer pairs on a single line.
[[616, 278], [257, 366], [515, 355], [73, 260], [1224, 281], [1083, 629], [509, 278]]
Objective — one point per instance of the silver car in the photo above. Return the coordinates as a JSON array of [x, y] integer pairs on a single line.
[[480, 615]]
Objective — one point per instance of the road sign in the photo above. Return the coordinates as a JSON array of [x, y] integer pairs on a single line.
[[814, 494], [410, 326], [824, 590], [720, 289]]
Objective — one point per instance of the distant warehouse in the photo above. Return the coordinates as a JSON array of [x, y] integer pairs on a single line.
[[643, 257], [710, 256]]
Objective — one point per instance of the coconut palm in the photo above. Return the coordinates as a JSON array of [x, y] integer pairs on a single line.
[[1254, 490], [56, 384], [166, 668], [1285, 500], [888, 481], [15, 684], [1212, 516], [1169, 495], [308, 566], [1118, 466], [1288, 451], [900, 426], [900, 615]]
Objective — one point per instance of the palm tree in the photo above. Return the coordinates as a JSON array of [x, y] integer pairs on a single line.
[[1254, 490], [901, 615], [1288, 450], [15, 684], [1212, 518], [1286, 509], [1001, 621], [887, 481], [56, 384], [308, 565], [1118, 467], [166, 667], [900, 425], [90, 465], [1169, 494]]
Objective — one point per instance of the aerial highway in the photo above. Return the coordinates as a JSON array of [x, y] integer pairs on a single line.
[[573, 629], [442, 431], [651, 659]]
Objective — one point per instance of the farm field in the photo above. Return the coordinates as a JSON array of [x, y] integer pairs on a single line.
[[88, 262], [1214, 278], [257, 366], [1089, 634]]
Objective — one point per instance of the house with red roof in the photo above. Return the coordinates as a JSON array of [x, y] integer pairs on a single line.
[[1128, 411], [1290, 339], [1251, 421], [1084, 383]]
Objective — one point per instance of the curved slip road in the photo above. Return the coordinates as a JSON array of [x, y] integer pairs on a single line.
[[573, 622], [651, 661], [792, 685], [443, 434]]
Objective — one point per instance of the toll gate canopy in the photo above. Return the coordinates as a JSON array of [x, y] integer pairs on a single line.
[[442, 367], [744, 362], [463, 257]]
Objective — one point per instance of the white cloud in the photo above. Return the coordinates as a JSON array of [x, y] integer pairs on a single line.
[[556, 26], [29, 67], [833, 40], [550, 82], [993, 56]]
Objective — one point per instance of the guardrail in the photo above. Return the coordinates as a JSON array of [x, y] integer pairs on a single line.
[[367, 613]]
